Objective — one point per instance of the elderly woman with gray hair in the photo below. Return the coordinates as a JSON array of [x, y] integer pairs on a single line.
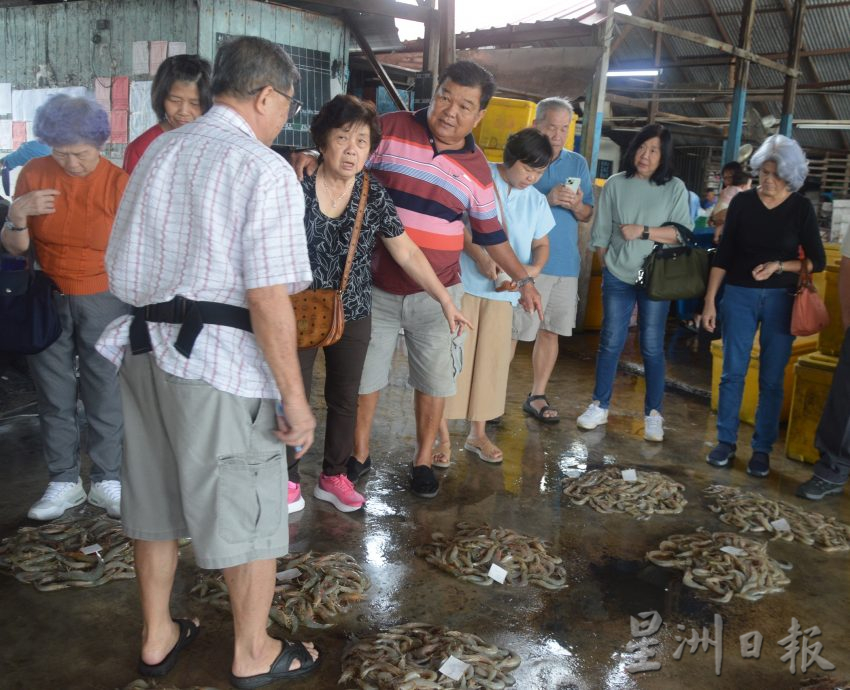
[[64, 206], [759, 259]]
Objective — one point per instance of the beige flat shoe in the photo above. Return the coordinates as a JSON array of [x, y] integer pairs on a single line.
[[487, 451], [441, 456]]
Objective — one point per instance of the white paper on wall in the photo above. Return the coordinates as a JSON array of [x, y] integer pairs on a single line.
[[5, 99], [141, 57], [140, 122], [158, 53], [140, 96], [30, 130], [176, 48], [26, 101], [5, 135]]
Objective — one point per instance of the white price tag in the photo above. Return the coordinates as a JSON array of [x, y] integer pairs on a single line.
[[290, 574], [781, 525], [497, 573], [629, 476], [90, 549], [733, 551], [454, 668]]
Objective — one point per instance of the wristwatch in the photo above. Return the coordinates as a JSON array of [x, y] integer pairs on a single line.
[[781, 269], [522, 282], [11, 227], [645, 234]]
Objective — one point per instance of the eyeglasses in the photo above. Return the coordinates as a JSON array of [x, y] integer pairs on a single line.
[[295, 105]]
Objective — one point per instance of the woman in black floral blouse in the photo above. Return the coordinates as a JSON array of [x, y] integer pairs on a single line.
[[346, 131]]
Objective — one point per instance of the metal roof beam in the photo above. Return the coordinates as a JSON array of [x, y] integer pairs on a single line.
[[707, 60], [558, 29], [705, 41], [830, 108], [765, 10], [373, 60], [624, 31], [386, 8]]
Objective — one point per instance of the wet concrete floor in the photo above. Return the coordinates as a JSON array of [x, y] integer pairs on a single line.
[[572, 639]]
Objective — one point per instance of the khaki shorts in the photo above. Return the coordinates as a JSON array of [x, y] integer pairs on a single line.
[[434, 354], [559, 295], [203, 464], [483, 382]]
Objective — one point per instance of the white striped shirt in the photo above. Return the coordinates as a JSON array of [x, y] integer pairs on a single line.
[[209, 213]]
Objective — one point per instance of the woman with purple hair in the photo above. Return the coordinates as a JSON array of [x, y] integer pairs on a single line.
[[63, 211]]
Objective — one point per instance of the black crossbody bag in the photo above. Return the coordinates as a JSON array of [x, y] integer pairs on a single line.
[[680, 272]]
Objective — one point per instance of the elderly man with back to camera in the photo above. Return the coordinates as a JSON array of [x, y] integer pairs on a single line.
[[208, 355]]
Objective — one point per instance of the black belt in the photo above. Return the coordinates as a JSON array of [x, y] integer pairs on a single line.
[[191, 314]]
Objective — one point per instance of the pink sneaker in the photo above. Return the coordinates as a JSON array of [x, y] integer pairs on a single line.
[[296, 500], [337, 489]]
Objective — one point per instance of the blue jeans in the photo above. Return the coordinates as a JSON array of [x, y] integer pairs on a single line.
[[618, 301], [743, 310]]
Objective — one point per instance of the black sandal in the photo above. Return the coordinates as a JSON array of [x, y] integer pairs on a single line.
[[540, 415], [280, 667], [189, 630]]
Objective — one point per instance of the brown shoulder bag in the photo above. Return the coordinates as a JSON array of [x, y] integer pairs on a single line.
[[319, 317], [809, 314]]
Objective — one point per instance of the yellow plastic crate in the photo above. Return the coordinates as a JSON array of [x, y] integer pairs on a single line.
[[833, 258], [593, 312], [831, 337], [802, 346], [812, 380], [505, 116], [596, 264]]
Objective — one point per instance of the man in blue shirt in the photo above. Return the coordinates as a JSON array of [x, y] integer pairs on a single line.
[[558, 282]]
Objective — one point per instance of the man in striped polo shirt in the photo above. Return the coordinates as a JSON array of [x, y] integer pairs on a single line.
[[436, 175]]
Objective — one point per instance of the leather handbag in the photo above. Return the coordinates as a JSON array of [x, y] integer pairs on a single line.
[[809, 314], [27, 310], [679, 272], [319, 316]]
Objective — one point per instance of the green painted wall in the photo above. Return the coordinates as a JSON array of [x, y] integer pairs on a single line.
[[51, 45]]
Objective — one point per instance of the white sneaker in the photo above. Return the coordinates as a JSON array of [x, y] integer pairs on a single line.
[[107, 494], [653, 427], [592, 417], [58, 497]]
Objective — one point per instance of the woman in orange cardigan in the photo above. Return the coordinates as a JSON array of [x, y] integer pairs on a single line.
[[64, 205]]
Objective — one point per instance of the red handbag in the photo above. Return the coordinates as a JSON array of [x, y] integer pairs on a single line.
[[809, 314]]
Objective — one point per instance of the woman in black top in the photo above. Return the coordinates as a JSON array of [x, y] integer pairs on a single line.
[[758, 258], [346, 131]]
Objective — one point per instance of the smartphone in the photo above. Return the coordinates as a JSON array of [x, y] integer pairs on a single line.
[[573, 183]]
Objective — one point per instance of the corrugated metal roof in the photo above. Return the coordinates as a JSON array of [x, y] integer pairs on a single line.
[[826, 26]]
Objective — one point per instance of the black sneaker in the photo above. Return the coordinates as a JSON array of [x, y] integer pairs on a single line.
[[721, 455], [759, 465], [816, 488], [423, 483], [356, 469]]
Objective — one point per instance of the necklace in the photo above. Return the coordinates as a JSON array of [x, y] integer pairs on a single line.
[[330, 194]]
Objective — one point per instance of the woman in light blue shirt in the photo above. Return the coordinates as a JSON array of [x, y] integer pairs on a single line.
[[490, 295]]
